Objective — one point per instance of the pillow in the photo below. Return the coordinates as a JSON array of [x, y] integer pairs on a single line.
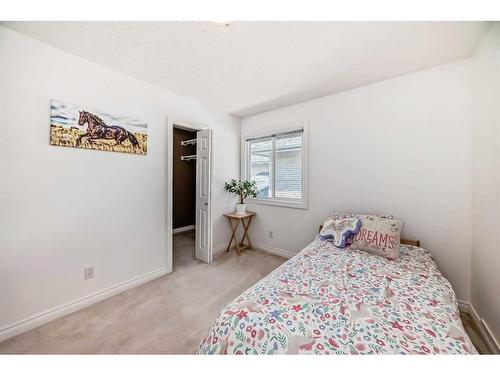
[[350, 237], [339, 227], [378, 235]]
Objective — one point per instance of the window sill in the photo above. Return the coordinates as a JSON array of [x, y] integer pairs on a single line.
[[277, 202]]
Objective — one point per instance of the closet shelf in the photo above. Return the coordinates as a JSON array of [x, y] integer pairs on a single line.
[[188, 142], [188, 157]]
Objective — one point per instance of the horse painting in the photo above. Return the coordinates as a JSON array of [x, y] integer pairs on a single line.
[[97, 129], [74, 126]]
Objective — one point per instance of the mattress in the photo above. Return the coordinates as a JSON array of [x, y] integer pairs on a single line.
[[334, 301]]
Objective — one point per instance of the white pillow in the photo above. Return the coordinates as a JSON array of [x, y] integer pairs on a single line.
[[338, 227]]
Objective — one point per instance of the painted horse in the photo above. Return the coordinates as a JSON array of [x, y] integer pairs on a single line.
[[97, 129]]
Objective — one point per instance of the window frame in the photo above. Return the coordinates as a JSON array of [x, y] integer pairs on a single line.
[[245, 167]]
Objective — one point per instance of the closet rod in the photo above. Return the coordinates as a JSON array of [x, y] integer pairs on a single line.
[[188, 142], [188, 157]]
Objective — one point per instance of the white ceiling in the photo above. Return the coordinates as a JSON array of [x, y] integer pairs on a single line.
[[250, 67]]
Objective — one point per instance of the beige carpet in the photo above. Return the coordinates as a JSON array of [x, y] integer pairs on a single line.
[[168, 315], [474, 334]]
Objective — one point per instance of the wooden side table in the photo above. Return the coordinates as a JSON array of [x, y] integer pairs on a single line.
[[234, 221]]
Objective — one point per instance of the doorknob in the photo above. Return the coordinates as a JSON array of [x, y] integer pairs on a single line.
[[205, 204]]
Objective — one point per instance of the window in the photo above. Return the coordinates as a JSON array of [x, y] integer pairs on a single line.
[[276, 162]]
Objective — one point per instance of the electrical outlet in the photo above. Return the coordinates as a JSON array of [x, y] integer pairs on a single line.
[[270, 234], [89, 273]]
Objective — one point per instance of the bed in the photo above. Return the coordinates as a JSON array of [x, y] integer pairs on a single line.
[[326, 300]]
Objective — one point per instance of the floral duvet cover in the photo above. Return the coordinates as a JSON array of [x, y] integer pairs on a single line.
[[334, 301]]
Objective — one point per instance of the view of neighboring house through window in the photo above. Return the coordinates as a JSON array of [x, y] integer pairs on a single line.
[[288, 167], [261, 170], [275, 163]]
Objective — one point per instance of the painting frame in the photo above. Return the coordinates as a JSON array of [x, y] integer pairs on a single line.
[[80, 126]]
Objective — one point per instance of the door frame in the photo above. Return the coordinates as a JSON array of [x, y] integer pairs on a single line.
[[188, 125]]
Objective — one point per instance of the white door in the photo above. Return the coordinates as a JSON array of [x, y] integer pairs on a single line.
[[203, 195]]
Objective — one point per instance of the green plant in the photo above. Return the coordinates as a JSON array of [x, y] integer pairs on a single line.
[[241, 188]]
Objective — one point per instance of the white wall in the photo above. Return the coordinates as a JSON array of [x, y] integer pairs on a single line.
[[66, 208], [486, 180], [399, 147]]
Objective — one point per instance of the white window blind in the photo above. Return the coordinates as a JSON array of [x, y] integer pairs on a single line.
[[275, 163]]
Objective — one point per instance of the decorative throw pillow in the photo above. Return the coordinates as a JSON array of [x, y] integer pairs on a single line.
[[379, 235], [350, 237], [339, 227]]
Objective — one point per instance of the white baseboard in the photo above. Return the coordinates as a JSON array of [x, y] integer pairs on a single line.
[[219, 249], [273, 250], [70, 307], [257, 246], [463, 306], [486, 332], [183, 229]]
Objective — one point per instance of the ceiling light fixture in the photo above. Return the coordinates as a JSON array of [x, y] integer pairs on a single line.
[[222, 23]]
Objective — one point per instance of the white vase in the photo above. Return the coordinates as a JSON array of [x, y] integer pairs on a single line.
[[241, 209]]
